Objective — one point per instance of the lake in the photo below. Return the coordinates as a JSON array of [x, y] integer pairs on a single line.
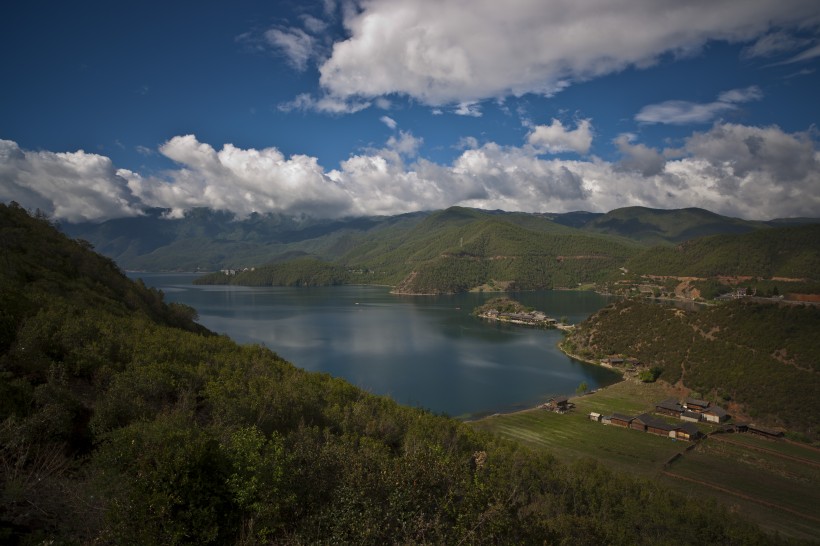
[[426, 351]]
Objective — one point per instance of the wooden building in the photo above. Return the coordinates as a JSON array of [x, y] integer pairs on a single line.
[[715, 414], [687, 431], [620, 420], [698, 406], [670, 406]]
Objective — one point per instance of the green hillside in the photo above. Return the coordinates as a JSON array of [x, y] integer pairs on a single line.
[[123, 422], [657, 226], [761, 357], [459, 249], [792, 252]]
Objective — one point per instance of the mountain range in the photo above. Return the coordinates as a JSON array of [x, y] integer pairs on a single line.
[[458, 249]]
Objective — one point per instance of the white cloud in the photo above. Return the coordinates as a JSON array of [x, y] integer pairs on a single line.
[[468, 108], [807, 55], [733, 169], [679, 112], [390, 122], [295, 44], [555, 138], [325, 104], [443, 52], [73, 186], [242, 181], [773, 43]]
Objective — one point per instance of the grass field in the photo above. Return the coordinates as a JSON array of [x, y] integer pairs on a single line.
[[774, 483]]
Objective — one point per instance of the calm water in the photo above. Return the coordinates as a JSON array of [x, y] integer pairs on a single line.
[[423, 351]]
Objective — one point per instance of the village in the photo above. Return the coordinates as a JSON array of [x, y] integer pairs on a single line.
[[691, 411]]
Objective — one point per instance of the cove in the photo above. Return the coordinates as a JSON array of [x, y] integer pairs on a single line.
[[425, 351]]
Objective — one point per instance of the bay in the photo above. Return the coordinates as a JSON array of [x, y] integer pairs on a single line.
[[426, 351]]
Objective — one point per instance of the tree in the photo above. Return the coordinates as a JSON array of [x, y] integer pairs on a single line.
[[582, 388]]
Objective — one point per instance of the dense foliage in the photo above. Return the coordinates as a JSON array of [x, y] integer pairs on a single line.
[[661, 227], [760, 355], [122, 421], [792, 252]]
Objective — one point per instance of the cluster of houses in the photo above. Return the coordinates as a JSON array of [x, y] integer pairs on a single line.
[[651, 424], [692, 410]]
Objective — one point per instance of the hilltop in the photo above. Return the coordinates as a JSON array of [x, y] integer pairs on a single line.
[[122, 420]]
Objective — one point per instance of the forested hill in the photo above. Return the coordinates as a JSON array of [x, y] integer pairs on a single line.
[[656, 226], [123, 422], [792, 252], [759, 358]]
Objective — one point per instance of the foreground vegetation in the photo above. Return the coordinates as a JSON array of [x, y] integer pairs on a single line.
[[122, 421]]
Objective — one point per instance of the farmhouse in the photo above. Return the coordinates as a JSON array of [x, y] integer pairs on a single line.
[[651, 424], [715, 414], [620, 420], [670, 406], [687, 431], [698, 406], [690, 416]]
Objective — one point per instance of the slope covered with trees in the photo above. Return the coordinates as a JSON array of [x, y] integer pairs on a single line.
[[792, 251], [761, 356], [122, 421]]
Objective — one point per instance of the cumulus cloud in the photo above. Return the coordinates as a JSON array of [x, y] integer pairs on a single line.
[[73, 186], [444, 52], [679, 112], [733, 169], [242, 181], [555, 138]]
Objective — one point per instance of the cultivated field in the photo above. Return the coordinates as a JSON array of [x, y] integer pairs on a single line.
[[774, 483]]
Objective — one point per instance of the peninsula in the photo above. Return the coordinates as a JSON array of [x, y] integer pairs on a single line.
[[509, 310]]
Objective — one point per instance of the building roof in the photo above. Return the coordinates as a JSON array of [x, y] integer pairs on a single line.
[[688, 428], [654, 422], [696, 402], [717, 410], [559, 399], [621, 417], [670, 404], [691, 415]]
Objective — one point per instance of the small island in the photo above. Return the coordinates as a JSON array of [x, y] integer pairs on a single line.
[[509, 310]]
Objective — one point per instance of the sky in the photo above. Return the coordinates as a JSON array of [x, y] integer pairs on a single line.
[[339, 108]]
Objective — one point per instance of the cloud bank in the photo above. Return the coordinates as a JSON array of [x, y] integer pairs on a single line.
[[732, 169], [452, 52]]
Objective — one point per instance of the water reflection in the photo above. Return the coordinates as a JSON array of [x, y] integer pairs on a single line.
[[429, 352]]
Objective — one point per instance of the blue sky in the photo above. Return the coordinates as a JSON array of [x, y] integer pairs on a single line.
[[338, 108]]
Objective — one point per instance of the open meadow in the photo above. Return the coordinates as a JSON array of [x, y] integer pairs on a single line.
[[774, 483]]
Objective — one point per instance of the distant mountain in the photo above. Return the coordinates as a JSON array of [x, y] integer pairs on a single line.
[[207, 240], [655, 226], [450, 250]]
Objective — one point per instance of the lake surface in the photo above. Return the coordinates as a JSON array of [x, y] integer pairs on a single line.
[[426, 351]]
